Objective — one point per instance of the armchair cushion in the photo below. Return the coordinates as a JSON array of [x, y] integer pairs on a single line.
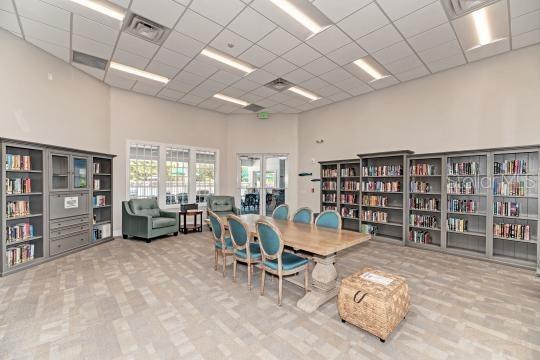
[[254, 251], [228, 244], [288, 260], [161, 222], [222, 203], [147, 207]]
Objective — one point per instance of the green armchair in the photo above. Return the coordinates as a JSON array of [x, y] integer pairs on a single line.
[[222, 205], [143, 218]]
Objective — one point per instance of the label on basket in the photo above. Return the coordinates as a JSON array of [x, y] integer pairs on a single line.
[[379, 279]]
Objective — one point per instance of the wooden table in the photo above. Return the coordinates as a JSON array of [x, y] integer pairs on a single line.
[[322, 244], [184, 226]]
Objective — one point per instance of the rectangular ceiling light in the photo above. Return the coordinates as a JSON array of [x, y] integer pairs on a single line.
[[297, 14], [304, 93], [103, 7], [368, 68], [138, 72], [481, 25], [231, 99], [228, 60]]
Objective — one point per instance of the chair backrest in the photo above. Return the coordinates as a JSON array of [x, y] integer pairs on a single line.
[[303, 215], [329, 219], [281, 212], [146, 207], [239, 232], [218, 230], [220, 202], [270, 241]]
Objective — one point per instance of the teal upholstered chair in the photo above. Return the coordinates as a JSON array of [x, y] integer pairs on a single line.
[[222, 244], [281, 212], [222, 205], [303, 215], [275, 260], [329, 219], [143, 218], [244, 250]]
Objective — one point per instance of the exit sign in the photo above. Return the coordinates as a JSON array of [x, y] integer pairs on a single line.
[[263, 115]]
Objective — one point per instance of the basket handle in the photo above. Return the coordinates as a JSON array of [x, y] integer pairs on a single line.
[[355, 297]]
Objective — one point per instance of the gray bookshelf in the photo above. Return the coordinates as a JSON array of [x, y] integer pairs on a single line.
[[55, 215]]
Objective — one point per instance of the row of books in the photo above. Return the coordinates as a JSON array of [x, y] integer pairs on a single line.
[[374, 200], [18, 162], [381, 186], [99, 200], [101, 232], [349, 213], [420, 236], [512, 231], [19, 232], [428, 221], [328, 207], [424, 203], [348, 198], [96, 168], [19, 254], [465, 206], [378, 216], [329, 185], [512, 188], [423, 169], [382, 170], [329, 197], [348, 172], [420, 186], [506, 208], [464, 168], [329, 172], [350, 185], [97, 184], [456, 224], [18, 186], [510, 167], [461, 187], [17, 208]]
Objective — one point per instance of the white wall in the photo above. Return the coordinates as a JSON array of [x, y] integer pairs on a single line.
[[43, 99], [491, 103]]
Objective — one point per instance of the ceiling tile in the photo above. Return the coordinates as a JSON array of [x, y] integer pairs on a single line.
[[263, 91], [7, 5], [314, 84], [421, 20], [251, 25], [9, 22], [97, 73], [260, 76], [257, 56], [297, 76], [183, 44], [347, 54], [521, 7], [93, 30], [164, 12], [225, 77], [335, 75], [222, 11], [320, 66], [380, 39], [364, 21], [122, 3], [226, 38], [431, 38], [279, 41], [337, 10], [446, 63], [488, 50], [360, 90], [44, 13], [181, 2], [413, 74], [328, 90], [234, 92], [114, 79], [301, 55], [227, 108], [203, 92], [130, 59], [162, 69], [340, 96], [280, 18], [170, 94], [529, 38], [201, 68], [87, 13], [295, 100], [279, 67], [246, 85], [136, 46], [171, 58], [44, 32], [404, 64], [91, 47], [393, 53], [350, 83], [384, 82], [328, 40], [251, 98], [442, 51], [188, 78], [210, 104], [197, 27], [191, 99], [54, 49], [397, 9], [526, 23]]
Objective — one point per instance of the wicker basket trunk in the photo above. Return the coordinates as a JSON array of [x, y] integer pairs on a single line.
[[372, 306]]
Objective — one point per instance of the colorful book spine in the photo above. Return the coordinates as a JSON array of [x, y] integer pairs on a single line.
[[464, 206], [377, 216], [99, 200], [19, 254], [456, 224], [18, 186], [348, 198], [350, 185], [329, 172], [17, 208], [420, 236], [510, 167], [18, 162], [506, 208], [423, 169], [381, 186], [511, 188], [432, 204], [329, 185], [427, 221], [384, 170], [329, 198], [463, 168], [461, 187], [420, 187], [349, 213], [374, 200], [512, 231], [19, 232]]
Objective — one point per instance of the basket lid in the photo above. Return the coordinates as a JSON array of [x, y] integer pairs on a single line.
[[375, 282]]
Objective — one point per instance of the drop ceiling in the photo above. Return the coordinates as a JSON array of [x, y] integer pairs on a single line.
[[409, 39]]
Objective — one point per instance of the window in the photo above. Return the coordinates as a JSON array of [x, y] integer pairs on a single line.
[[177, 172], [205, 164], [143, 171]]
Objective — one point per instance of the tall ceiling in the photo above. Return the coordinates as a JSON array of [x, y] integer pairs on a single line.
[[408, 38]]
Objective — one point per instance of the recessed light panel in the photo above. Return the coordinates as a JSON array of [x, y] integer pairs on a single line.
[[231, 100], [367, 69], [103, 7], [228, 60], [138, 72], [297, 90]]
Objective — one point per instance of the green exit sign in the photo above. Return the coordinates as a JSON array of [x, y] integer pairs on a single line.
[[263, 115]]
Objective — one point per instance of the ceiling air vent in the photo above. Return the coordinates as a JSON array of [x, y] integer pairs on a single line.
[[253, 107], [145, 29], [457, 8], [279, 84], [89, 60]]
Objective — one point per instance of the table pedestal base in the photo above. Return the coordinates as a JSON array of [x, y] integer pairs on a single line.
[[323, 286]]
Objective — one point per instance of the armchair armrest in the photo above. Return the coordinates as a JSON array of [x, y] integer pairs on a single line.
[[236, 210], [135, 225]]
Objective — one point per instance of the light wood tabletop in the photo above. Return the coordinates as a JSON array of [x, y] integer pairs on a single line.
[[316, 240]]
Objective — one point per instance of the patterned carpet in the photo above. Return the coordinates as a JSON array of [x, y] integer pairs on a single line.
[[130, 300]]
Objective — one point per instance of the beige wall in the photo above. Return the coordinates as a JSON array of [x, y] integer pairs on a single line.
[[45, 100], [491, 103]]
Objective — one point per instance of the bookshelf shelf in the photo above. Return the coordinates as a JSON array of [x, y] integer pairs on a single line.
[[12, 218], [425, 210], [24, 171], [424, 227], [528, 218], [102, 168], [532, 241], [424, 193], [384, 207], [382, 223], [382, 176], [472, 233], [20, 241], [25, 194]]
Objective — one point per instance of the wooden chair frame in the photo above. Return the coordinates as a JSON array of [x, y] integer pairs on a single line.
[[301, 209], [249, 261], [280, 206], [330, 211], [224, 251]]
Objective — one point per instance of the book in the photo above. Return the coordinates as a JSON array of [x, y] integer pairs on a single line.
[[416, 203], [510, 167], [18, 186], [509, 188], [97, 184], [382, 170], [377, 216], [19, 254], [463, 168], [374, 200], [419, 187], [456, 224], [329, 172], [381, 186], [427, 221], [348, 172], [99, 200], [17, 208], [462, 205], [512, 231], [423, 169], [461, 187], [18, 232], [18, 162], [506, 208], [420, 236], [96, 168]]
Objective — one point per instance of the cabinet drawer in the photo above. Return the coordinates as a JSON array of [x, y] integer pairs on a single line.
[[69, 230], [77, 220], [68, 205], [60, 245]]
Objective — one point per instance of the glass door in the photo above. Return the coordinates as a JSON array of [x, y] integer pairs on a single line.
[[275, 182], [250, 185], [59, 172], [80, 173]]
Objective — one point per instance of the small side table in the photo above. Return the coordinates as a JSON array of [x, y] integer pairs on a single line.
[[196, 226]]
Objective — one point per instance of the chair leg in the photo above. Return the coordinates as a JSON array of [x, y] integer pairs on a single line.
[[249, 267], [263, 274], [215, 259], [234, 270], [306, 280], [224, 262], [280, 290]]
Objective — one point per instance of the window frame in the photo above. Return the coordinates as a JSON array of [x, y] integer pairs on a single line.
[[162, 173]]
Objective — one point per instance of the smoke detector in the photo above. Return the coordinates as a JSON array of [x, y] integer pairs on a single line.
[[458, 8], [279, 84], [145, 29]]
